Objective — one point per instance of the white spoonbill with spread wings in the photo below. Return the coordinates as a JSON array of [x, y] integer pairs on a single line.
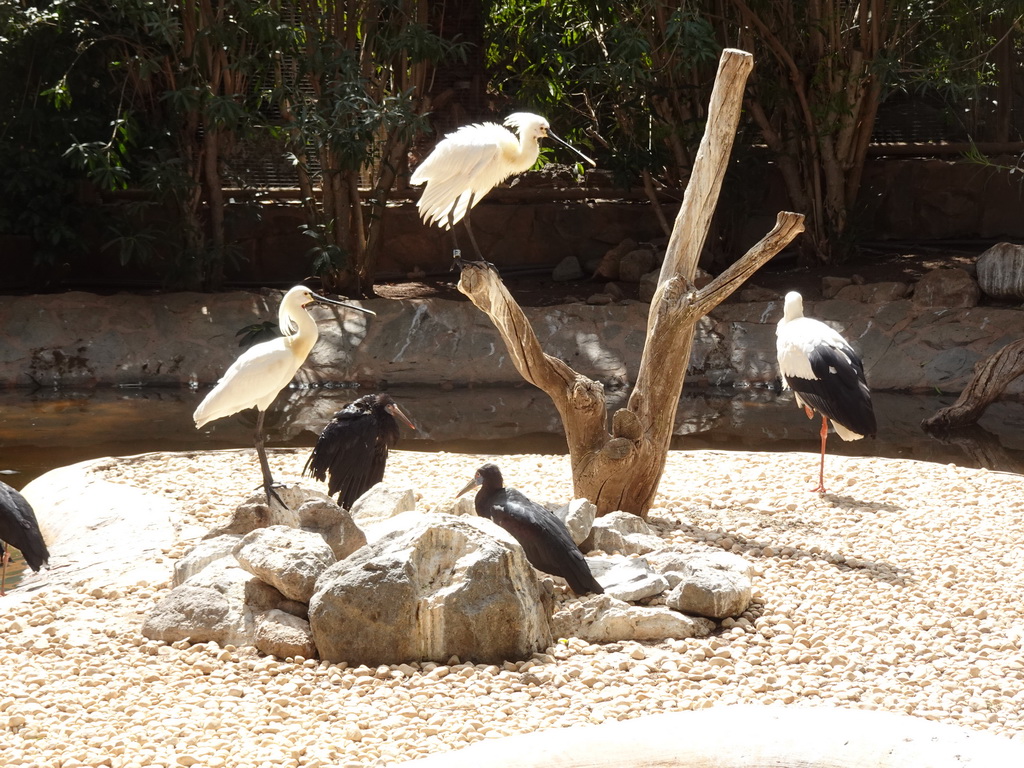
[[467, 163]]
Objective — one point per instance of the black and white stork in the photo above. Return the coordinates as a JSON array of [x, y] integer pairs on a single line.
[[826, 375]]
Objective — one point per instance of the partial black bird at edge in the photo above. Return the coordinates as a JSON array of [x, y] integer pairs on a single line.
[[19, 529]]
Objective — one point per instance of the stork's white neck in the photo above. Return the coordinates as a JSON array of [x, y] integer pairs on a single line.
[[794, 306]]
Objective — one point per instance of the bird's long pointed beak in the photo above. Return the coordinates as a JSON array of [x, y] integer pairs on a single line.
[[318, 299], [570, 146], [394, 410], [471, 484]]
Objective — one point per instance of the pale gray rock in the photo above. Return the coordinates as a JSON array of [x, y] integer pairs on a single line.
[[605, 619], [202, 554], [443, 586], [255, 513], [578, 516], [946, 288], [334, 524], [707, 590], [567, 269], [623, 533], [381, 502], [873, 293], [209, 607], [679, 558], [830, 286], [289, 559], [283, 635], [599, 299], [635, 264], [1001, 272], [260, 596], [627, 578], [609, 266], [461, 506]]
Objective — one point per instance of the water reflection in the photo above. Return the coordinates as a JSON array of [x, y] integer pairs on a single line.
[[45, 429]]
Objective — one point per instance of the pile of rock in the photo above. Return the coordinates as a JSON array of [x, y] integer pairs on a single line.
[[388, 584], [629, 268]]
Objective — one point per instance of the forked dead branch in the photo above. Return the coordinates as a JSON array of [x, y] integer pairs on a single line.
[[621, 469]]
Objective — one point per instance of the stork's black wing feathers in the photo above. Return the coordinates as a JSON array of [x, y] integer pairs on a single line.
[[18, 527], [543, 537], [840, 391]]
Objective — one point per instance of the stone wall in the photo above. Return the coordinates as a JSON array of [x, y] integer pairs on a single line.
[[83, 340], [914, 199]]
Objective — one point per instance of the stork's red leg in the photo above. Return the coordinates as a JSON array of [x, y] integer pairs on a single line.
[[821, 473]]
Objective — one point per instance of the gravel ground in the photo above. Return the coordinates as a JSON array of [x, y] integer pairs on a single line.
[[898, 591]]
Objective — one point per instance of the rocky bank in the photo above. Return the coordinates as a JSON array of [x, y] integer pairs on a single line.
[[923, 343], [898, 591]]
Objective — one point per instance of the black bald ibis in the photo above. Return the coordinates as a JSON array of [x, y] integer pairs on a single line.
[[19, 529], [543, 537], [353, 448], [826, 375]]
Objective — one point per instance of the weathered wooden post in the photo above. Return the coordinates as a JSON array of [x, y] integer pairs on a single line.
[[621, 470]]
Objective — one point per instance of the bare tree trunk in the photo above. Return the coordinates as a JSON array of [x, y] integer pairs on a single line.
[[621, 470], [990, 380]]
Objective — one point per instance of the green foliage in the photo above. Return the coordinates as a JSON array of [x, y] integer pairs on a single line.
[[350, 90], [40, 187], [629, 77]]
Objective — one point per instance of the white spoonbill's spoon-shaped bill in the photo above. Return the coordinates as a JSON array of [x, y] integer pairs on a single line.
[[262, 371], [469, 162], [826, 375]]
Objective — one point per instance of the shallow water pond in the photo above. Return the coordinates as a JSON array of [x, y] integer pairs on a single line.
[[44, 429]]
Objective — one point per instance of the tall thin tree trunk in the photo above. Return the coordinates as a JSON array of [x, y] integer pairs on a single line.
[[621, 470]]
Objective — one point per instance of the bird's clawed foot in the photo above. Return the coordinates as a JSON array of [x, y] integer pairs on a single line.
[[461, 263], [272, 494]]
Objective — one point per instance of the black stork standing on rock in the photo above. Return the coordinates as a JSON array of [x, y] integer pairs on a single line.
[[353, 448], [543, 537], [826, 375], [19, 529]]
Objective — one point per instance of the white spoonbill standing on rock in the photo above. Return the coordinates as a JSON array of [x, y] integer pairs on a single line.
[[826, 375], [467, 163], [263, 370]]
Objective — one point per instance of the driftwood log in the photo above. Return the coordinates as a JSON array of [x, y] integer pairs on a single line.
[[745, 736], [991, 378], [621, 470]]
